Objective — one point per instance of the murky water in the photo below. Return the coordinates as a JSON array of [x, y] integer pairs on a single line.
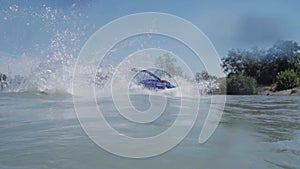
[[42, 131]]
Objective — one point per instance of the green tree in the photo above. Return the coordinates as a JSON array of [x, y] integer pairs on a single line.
[[296, 63], [241, 85], [252, 62], [261, 64], [168, 63], [280, 57], [202, 76], [232, 63]]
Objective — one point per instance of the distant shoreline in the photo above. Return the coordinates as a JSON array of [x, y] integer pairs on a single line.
[[288, 92], [269, 91]]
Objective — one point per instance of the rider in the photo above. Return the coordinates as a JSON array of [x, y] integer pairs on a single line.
[[3, 82]]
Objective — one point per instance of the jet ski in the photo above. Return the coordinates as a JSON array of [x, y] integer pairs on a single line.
[[153, 81]]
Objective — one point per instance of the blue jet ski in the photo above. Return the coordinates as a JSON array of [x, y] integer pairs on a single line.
[[154, 82]]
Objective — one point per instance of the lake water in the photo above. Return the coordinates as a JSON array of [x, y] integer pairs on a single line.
[[42, 131]]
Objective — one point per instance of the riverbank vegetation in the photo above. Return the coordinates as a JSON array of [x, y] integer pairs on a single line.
[[277, 66]]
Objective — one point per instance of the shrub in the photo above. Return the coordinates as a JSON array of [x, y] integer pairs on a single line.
[[287, 79], [241, 85]]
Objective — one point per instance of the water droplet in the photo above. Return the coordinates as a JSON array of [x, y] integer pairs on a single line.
[[14, 8]]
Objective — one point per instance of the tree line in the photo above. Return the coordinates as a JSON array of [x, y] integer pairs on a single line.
[[279, 64], [246, 69]]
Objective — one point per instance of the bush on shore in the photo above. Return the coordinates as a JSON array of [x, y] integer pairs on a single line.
[[287, 79], [241, 85]]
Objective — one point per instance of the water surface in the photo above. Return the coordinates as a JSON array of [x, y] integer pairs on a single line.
[[42, 131]]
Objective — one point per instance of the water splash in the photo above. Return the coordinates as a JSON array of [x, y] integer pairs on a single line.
[[46, 68]]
